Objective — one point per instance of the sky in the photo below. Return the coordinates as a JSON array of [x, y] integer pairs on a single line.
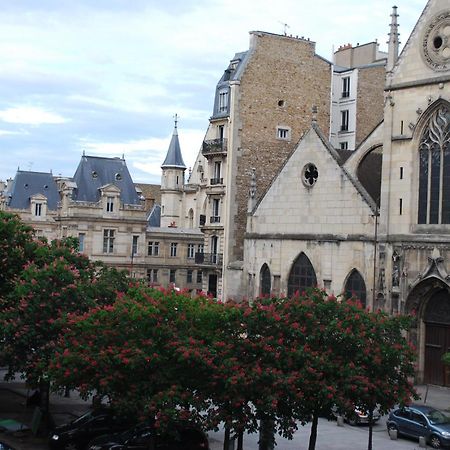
[[106, 77]]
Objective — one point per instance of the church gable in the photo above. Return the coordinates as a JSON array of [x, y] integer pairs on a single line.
[[313, 195], [426, 55]]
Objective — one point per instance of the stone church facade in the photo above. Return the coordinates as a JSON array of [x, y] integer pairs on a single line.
[[383, 236]]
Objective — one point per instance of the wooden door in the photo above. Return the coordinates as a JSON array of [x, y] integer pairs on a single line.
[[437, 342]]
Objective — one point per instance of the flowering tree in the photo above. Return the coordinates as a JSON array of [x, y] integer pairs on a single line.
[[16, 247]]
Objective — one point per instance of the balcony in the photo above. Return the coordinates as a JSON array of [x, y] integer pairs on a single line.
[[345, 94], [214, 147], [209, 259], [214, 219], [214, 181]]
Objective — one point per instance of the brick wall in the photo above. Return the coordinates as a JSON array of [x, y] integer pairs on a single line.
[[281, 69], [370, 100]]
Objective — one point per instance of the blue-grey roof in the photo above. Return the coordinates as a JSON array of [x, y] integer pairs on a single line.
[[26, 184], [154, 218], [174, 157], [232, 73], [93, 172]]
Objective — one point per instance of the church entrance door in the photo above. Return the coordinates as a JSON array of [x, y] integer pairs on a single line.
[[437, 337]]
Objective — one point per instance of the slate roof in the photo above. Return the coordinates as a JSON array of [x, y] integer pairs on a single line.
[[154, 218], [93, 172], [26, 184], [174, 157]]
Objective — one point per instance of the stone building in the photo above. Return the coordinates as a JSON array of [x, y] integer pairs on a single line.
[[320, 223], [261, 110]]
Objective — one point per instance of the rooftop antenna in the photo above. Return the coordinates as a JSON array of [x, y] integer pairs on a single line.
[[285, 27]]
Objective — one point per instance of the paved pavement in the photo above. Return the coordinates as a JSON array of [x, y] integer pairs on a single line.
[[330, 437]]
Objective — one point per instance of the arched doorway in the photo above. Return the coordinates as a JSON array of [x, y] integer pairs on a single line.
[[265, 281], [437, 336]]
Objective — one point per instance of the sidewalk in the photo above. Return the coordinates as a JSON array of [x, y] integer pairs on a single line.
[[13, 396]]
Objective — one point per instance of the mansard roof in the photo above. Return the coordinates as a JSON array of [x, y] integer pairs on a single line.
[[174, 159], [26, 184], [154, 218], [93, 172]]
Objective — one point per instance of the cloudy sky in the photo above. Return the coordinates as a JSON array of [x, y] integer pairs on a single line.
[[107, 76]]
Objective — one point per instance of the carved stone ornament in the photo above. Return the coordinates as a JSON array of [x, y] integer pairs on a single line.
[[310, 175], [435, 268], [436, 42]]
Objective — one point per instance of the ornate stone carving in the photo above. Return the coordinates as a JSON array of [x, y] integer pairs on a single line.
[[436, 42]]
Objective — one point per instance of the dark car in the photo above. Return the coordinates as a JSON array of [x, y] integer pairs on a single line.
[[77, 434], [143, 437], [418, 420], [4, 446]]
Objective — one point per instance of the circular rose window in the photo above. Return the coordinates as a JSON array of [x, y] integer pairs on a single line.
[[310, 175], [436, 42]]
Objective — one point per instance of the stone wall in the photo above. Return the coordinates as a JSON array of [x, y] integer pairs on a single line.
[[370, 100]]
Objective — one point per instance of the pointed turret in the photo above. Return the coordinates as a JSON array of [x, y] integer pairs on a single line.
[[174, 159], [394, 41]]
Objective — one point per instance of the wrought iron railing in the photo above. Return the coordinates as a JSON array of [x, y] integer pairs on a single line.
[[214, 259], [214, 146]]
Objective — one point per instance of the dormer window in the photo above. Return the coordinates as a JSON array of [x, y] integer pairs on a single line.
[[283, 133], [223, 101], [109, 204], [118, 176]]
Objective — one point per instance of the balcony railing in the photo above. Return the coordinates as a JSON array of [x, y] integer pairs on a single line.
[[345, 94], [214, 259], [214, 147], [214, 181], [214, 219]]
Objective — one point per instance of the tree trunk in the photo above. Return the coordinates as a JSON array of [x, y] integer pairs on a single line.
[[313, 435], [44, 404], [240, 441], [266, 435], [369, 444], [226, 439]]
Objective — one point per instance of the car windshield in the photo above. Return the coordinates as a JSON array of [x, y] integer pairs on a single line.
[[83, 419], [436, 417]]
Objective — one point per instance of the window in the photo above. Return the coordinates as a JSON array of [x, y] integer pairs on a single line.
[[191, 250], [344, 120], [344, 145], [356, 288], [434, 169], [172, 276], [401, 173], [221, 132], [346, 87], [108, 241], [134, 246], [189, 276], [152, 275], [217, 169], [173, 249], [302, 275], [283, 133], [153, 248], [81, 237], [214, 249], [223, 101], [200, 248], [109, 204], [401, 206], [199, 276], [38, 209], [215, 218]]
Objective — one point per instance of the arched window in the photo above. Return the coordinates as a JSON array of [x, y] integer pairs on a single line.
[[265, 281], [356, 288], [434, 169], [302, 275]]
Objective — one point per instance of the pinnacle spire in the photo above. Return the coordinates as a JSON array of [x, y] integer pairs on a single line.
[[174, 158], [393, 42]]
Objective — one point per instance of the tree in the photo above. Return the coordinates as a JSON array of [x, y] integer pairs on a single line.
[[17, 246]]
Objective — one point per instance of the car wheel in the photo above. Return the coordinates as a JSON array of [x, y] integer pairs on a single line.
[[70, 446], [353, 421], [435, 442]]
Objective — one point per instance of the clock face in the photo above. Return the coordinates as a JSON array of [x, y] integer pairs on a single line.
[[436, 42]]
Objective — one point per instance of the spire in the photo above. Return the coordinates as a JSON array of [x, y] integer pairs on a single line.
[[174, 158], [394, 42]]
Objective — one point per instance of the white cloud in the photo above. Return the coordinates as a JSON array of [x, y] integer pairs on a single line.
[[30, 115]]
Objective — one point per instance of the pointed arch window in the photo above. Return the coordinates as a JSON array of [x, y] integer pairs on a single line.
[[265, 281], [302, 275], [434, 169], [356, 288]]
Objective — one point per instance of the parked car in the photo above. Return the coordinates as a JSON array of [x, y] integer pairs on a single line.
[[419, 420], [143, 437], [359, 416], [77, 434], [4, 446]]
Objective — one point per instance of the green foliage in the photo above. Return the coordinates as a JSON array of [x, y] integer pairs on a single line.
[[446, 358]]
